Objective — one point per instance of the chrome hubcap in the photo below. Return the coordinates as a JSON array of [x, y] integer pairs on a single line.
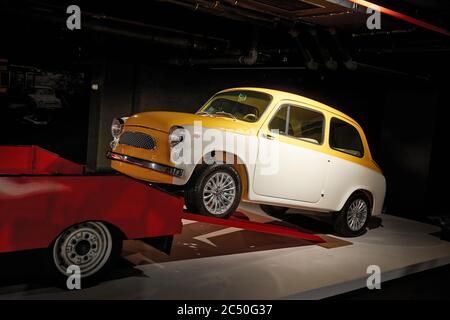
[[357, 214], [219, 193], [86, 245]]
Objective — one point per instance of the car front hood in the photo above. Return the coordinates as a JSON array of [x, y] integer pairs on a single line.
[[164, 120]]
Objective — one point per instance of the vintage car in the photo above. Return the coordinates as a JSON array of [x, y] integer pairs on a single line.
[[281, 151], [44, 98]]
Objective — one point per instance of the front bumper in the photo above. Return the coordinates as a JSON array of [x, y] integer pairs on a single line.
[[176, 172]]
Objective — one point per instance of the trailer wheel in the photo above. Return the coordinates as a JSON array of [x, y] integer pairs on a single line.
[[92, 246]]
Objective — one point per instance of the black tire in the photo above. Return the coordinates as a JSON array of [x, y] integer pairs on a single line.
[[342, 224], [189, 195], [194, 192], [92, 246], [273, 210]]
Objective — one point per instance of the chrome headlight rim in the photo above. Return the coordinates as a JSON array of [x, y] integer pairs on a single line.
[[176, 135], [117, 127]]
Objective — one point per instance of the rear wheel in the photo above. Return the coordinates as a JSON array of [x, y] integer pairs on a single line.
[[354, 217], [215, 191], [92, 246]]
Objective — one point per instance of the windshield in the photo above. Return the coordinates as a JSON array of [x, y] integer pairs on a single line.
[[242, 105]]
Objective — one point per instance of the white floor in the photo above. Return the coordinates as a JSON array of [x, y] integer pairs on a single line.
[[399, 248]]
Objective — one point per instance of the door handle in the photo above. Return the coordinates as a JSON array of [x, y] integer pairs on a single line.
[[268, 136]]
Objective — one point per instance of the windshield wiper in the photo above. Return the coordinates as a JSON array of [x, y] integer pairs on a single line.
[[223, 113]]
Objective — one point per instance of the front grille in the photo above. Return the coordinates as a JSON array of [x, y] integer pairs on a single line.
[[137, 140]]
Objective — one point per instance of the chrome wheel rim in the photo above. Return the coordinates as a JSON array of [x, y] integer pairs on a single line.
[[87, 245], [357, 214], [219, 193]]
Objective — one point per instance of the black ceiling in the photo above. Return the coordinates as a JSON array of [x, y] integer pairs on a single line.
[[185, 30]]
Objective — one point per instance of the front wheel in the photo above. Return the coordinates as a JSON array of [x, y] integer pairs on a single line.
[[215, 192], [91, 246], [354, 217]]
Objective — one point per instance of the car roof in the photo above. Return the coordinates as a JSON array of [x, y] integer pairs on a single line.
[[283, 95]]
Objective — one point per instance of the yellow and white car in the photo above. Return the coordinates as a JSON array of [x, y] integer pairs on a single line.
[[273, 148]]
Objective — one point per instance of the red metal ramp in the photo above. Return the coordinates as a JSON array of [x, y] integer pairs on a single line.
[[238, 221]]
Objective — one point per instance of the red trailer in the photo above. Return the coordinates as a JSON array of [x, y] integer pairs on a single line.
[[49, 202]]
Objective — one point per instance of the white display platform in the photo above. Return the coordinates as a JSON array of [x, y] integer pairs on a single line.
[[399, 248]]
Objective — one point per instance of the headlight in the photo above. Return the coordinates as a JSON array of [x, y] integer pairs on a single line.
[[176, 135], [117, 127]]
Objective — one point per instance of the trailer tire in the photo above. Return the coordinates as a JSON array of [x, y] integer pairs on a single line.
[[92, 246]]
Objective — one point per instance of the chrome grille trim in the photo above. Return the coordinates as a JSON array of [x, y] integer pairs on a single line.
[[137, 140], [145, 164]]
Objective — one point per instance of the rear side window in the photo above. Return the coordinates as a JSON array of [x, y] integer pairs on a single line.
[[300, 123], [345, 138]]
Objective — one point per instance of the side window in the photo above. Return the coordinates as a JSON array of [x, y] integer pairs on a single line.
[[278, 122], [345, 138], [299, 123], [306, 124]]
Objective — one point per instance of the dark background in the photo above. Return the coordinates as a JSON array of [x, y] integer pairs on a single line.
[[165, 55]]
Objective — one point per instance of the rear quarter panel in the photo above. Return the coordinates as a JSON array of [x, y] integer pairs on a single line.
[[346, 177]]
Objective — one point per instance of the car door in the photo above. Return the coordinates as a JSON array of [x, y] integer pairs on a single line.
[[291, 164]]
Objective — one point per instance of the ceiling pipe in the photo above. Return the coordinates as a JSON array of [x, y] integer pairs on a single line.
[[154, 27], [195, 42], [344, 55], [218, 9], [330, 63], [383, 33], [261, 8], [155, 38], [250, 59], [260, 68], [103, 17], [309, 60]]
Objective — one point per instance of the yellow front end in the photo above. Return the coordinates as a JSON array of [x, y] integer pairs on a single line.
[[159, 155], [133, 158]]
